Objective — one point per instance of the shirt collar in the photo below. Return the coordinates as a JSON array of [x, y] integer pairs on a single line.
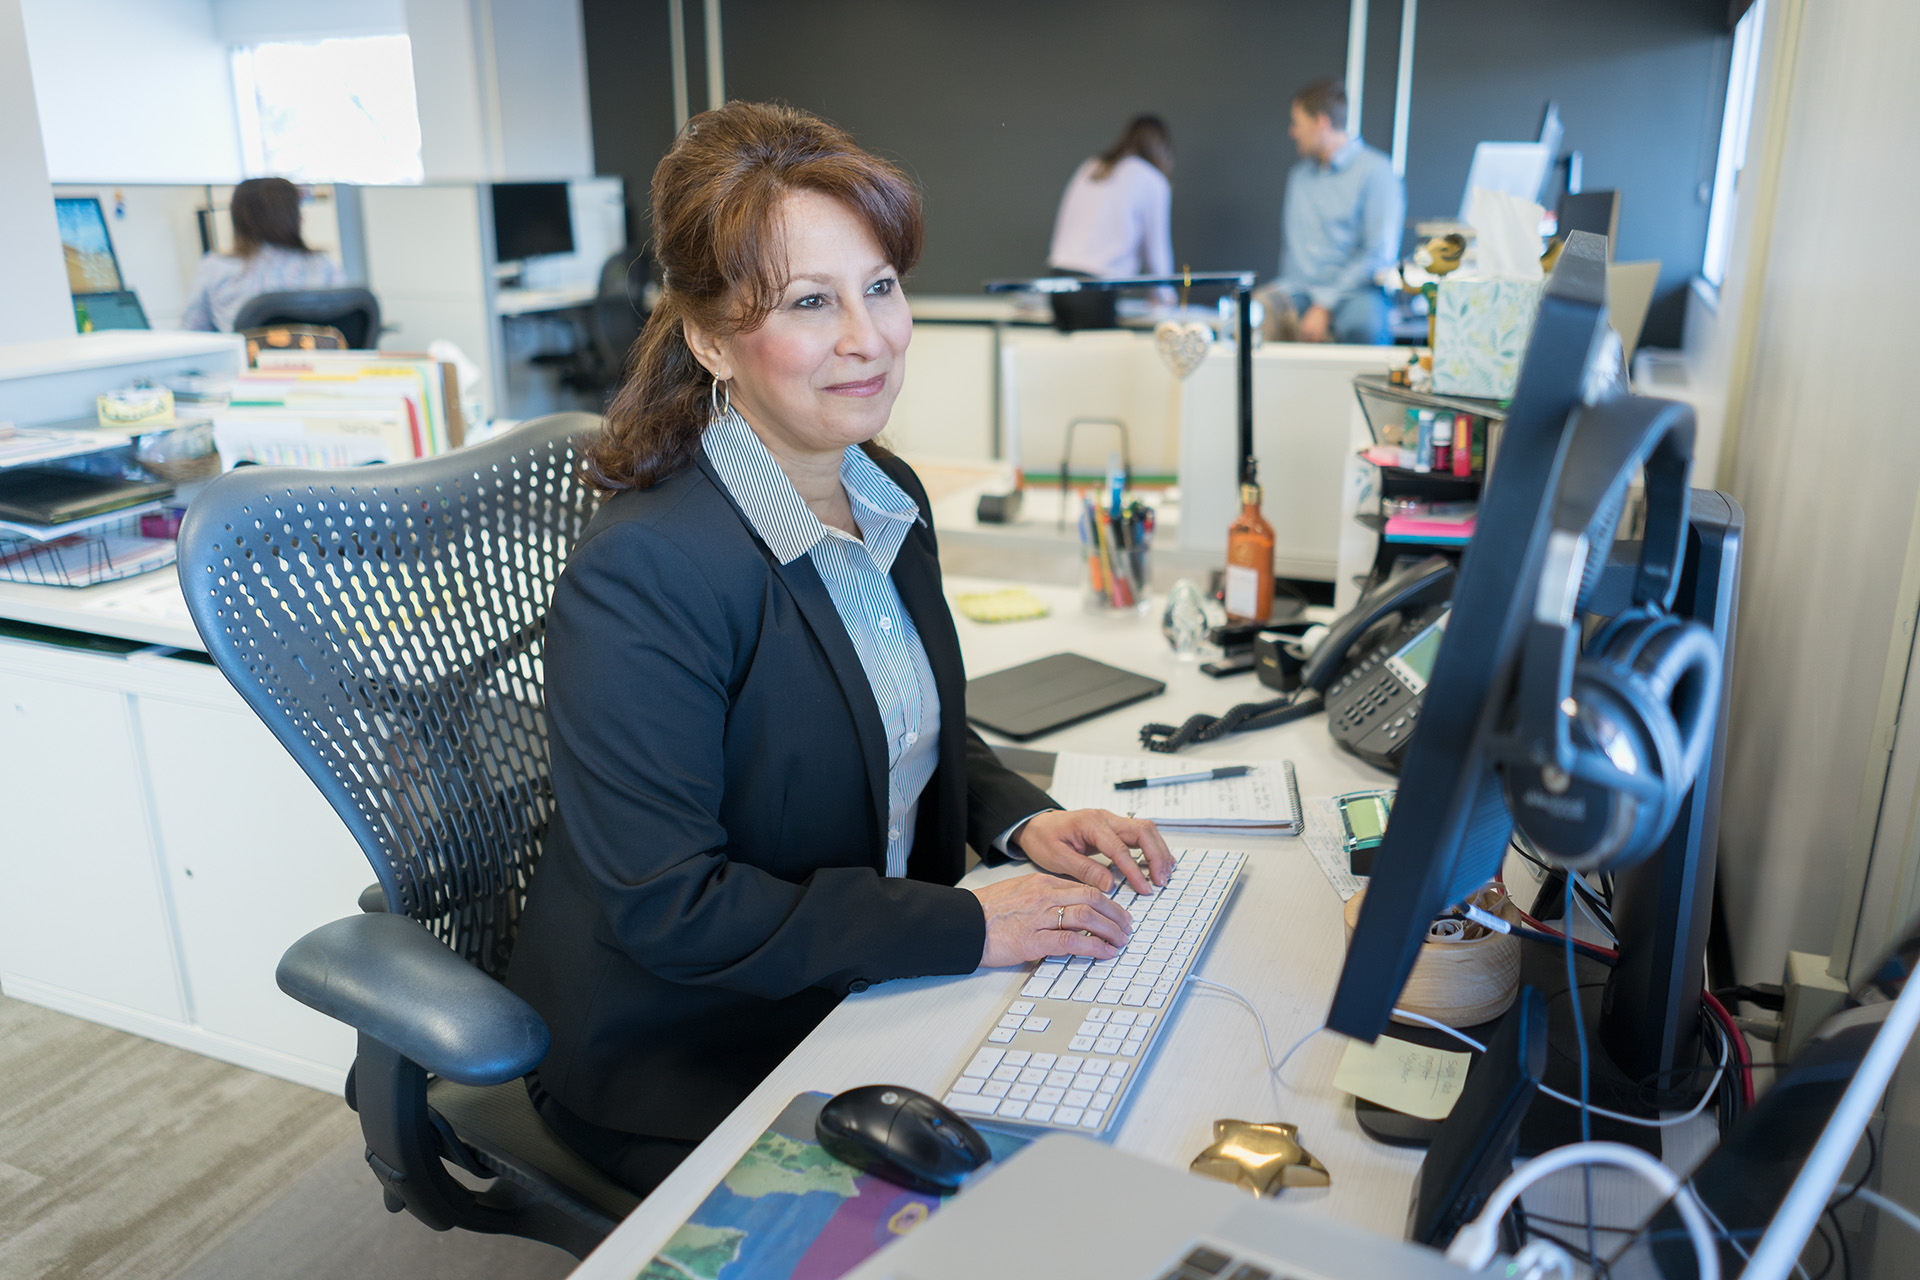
[[774, 508], [1345, 155]]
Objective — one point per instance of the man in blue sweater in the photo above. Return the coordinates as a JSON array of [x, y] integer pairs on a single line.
[[1340, 224]]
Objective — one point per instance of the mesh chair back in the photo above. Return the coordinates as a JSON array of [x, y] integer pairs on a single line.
[[354, 312], [388, 624]]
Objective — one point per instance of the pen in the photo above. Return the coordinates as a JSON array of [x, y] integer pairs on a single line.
[[1205, 775]]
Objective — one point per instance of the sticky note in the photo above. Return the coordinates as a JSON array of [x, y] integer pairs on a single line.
[[1010, 605], [1406, 1077]]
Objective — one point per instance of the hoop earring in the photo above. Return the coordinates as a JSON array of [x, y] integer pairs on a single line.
[[714, 390]]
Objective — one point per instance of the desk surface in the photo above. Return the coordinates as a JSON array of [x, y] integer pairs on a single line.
[[521, 302], [1280, 943]]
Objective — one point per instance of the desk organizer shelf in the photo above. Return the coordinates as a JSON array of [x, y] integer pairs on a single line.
[[84, 554], [1380, 399]]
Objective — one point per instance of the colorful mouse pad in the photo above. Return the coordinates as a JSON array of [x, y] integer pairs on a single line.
[[790, 1211]]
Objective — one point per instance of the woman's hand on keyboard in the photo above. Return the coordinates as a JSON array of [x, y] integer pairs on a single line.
[[1035, 915], [1063, 841]]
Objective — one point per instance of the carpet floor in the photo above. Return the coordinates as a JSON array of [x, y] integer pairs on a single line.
[[124, 1159]]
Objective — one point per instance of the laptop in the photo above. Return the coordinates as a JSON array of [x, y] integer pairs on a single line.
[[1051, 693], [115, 309], [1068, 1207], [1049, 1211]]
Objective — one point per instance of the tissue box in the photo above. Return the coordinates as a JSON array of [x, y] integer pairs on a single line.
[[1480, 332]]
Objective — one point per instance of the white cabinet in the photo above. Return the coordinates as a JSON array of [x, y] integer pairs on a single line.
[[160, 851], [254, 858], [82, 909]]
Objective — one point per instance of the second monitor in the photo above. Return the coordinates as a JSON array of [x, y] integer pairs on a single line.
[[531, 219]]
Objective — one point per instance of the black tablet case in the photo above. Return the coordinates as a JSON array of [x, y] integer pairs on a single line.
[[1051, 693], [48, 495]]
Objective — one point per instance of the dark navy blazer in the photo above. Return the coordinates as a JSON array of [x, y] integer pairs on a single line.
[[714, 880]]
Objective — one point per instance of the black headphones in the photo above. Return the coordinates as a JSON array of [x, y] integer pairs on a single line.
[[1605, 743]]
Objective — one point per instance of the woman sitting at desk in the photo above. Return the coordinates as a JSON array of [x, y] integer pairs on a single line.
[[763, 772], [268, 257]]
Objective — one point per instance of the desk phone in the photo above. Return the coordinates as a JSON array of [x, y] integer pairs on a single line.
[[1372, 706]]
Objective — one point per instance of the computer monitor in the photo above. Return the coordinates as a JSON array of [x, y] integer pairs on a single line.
[[1551, 130], [531, 219], [91, 264], [1450, 823], [116, 309], [1517, 168]]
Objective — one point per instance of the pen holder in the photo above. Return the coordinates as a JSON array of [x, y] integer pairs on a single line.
[[1115, 553]]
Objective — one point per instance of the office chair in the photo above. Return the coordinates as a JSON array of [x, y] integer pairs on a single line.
[[619, 311], [611, 325], [354, 312], [388, 624]]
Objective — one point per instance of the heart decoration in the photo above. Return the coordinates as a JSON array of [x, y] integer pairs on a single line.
[[1183, 346]]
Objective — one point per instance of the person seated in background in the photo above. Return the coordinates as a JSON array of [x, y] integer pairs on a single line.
[[1115, 220], [1339, 225], [268, 257]]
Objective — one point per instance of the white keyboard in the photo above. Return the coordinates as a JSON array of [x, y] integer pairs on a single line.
[[1065, 1053]]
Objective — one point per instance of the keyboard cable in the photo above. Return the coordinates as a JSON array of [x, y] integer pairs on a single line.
[[1276, 1067]]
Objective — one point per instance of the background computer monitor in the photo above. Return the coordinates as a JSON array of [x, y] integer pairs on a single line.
[[91, 264], [112, 309], [530, 219], [1517, 168]]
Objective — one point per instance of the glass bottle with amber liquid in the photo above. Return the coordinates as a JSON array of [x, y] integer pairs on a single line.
[[1249, 590]]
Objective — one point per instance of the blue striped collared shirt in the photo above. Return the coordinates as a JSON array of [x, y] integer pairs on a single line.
[[855, 571]]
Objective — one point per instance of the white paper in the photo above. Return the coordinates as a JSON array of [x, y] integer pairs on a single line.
[[1323, 841], [160, 600], [1255, 799]]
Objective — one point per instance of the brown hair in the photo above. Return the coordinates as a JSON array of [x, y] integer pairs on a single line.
[[265, 211], [716, 197], [1144, 136], [1325, 98]]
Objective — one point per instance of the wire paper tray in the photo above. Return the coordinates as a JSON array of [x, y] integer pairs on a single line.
[[99, 554]]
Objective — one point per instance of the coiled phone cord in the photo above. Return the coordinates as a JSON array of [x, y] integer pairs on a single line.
[[1241, 719]]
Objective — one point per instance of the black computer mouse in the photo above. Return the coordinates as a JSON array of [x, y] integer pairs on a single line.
[[901, 1135]]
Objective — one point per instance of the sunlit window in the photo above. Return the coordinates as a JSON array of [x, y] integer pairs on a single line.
[[1741, 78], [330, 110]]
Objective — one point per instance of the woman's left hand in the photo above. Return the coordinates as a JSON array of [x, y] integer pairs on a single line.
[[1063, 841]]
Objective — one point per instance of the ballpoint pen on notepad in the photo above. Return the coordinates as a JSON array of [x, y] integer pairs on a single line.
[[1205, 775]]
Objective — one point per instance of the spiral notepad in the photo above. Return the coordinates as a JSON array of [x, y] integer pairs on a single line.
[[1265, 801]]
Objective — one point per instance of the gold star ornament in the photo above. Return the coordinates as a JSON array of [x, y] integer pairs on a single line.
[[1263, 1158]]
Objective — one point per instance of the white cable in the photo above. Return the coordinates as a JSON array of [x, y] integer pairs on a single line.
[[1885, 1205], [1555, 1094], [1277, 1067], [1272, 1066], [1538, 1259], [1479, 1240]]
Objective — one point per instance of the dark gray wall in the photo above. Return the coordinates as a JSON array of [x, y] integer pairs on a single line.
[[630, 92], [1640, 85], [990, 104]]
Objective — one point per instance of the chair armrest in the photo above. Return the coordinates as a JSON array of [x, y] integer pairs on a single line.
[[389, 978]]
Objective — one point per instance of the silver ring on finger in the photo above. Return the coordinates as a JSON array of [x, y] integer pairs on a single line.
[[1062, 912]]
